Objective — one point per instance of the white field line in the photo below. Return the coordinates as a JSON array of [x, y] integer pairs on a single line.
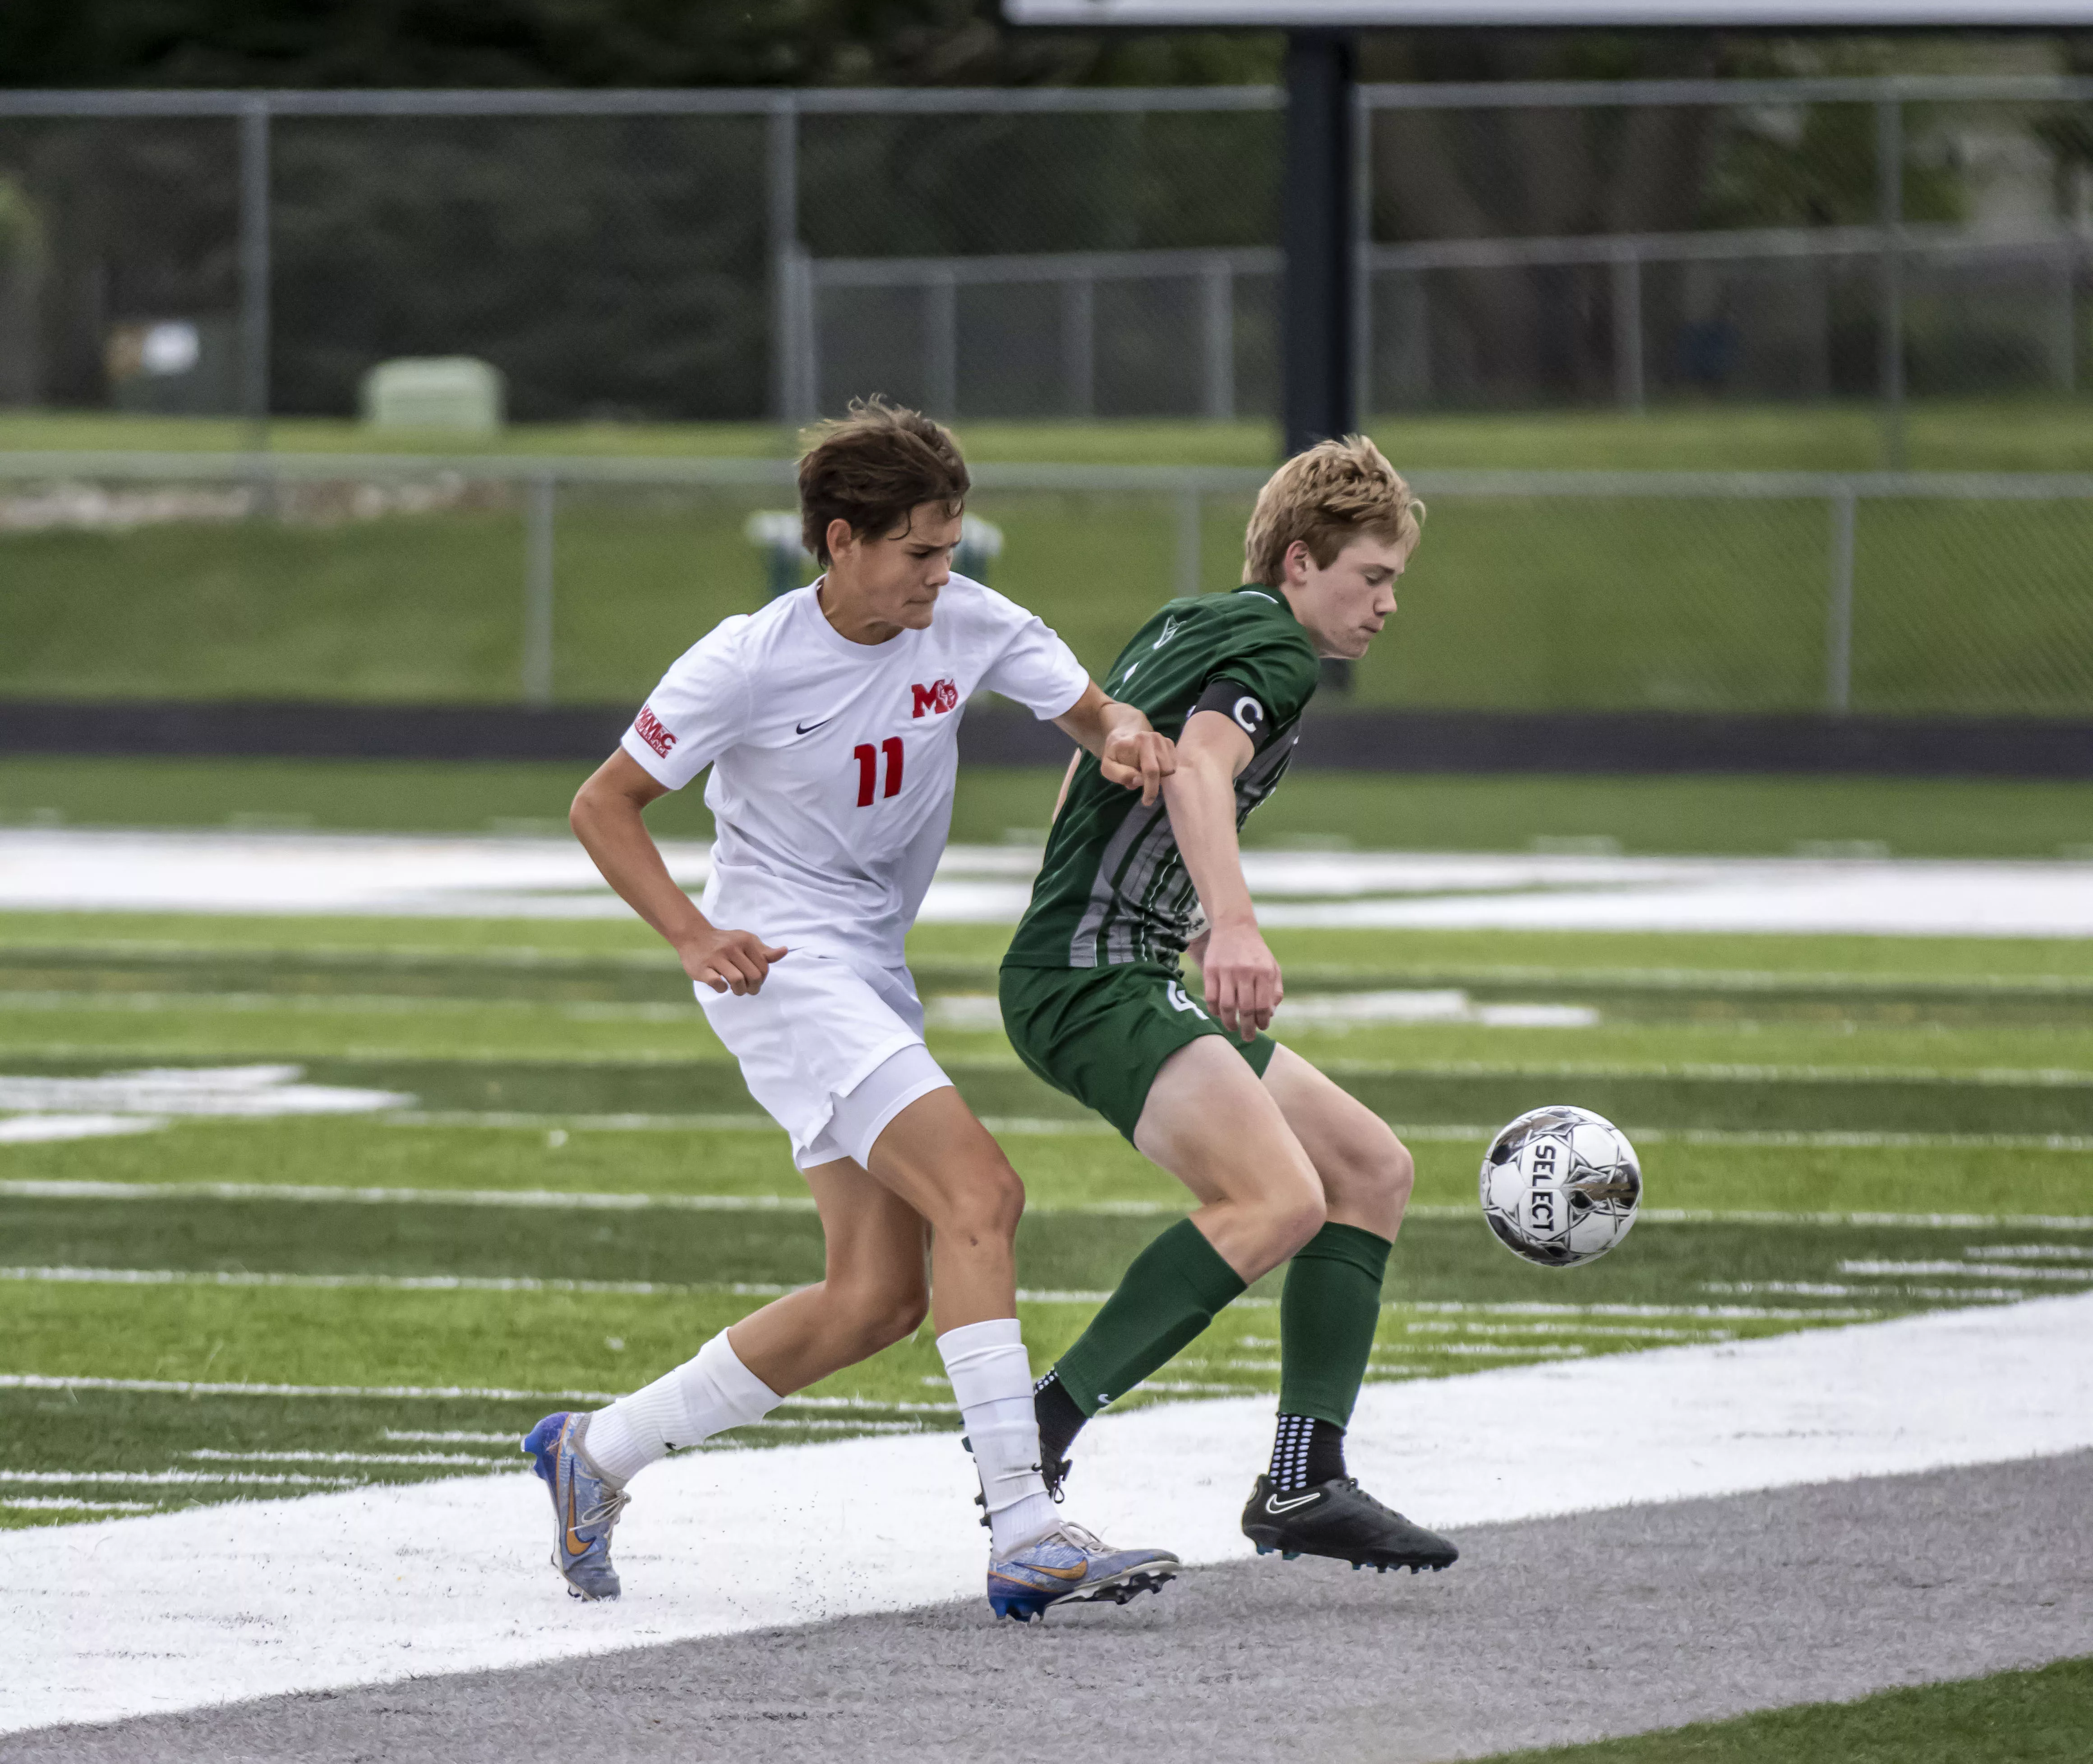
[[582, 1200], [64, 1503], [1966, 1271], [450, 1283], [248, 872], [122, 1617]]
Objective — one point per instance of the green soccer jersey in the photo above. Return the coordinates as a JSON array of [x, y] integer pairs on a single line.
[[1113, 887]]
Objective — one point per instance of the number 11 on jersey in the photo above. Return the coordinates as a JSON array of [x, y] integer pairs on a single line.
[[868, 768]]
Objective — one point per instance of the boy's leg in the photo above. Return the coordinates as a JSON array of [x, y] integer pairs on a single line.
[[872, 1294], [938, 1158], [1331, 1304], [1306, 1503], [1209, 1122]]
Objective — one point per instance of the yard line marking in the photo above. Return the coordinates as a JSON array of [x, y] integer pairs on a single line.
[[429, 1283], [1961, 1295], [2048, 1077], [277, 1479], [450, 1436], [585, 1200], [1964, 1270], [450, 1283], [73, 1503], [209, 1455], [186, 1387], [2028, 1252]]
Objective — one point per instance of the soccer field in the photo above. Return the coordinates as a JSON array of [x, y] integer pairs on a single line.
[[546, 1178], [324, 1204]]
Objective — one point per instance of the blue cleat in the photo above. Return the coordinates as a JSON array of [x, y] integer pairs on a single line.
[[1069, 1567], [585, 1505]]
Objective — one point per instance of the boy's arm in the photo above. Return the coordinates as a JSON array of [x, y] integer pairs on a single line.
[[1242, 980], [1129, 751], [606, 819]]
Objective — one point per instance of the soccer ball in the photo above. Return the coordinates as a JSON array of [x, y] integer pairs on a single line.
[[1561, 1185]]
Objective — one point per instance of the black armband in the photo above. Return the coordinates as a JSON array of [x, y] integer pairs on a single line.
[[1240, 705]]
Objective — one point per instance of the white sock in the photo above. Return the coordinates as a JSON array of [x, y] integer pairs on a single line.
[[992, 1380], [703, 1397]]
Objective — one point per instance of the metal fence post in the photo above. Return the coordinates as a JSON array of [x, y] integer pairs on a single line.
[[1627, 331], [2066, 342], [941, 345], [538, 591], [1217, 285], [791, 300], [1188, 540], [1079, 344], [1363, 328], [1839, 612], [255, 271], [1889, 197]]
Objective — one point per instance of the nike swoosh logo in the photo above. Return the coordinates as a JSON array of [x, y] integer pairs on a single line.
[[1076, 1573], [577, 1545], [807, 728], [1273, 1504]]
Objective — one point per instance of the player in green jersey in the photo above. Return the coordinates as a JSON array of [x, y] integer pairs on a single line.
[[1283, 1162]]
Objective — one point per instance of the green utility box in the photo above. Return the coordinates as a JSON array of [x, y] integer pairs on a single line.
[[456, 392]]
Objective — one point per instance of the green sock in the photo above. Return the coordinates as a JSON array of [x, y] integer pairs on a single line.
[[1169, 1295], [1327, 1317]]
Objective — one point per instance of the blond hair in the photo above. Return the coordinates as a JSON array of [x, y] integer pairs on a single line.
[[1326, 498]]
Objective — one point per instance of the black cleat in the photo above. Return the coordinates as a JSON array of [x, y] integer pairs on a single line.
[[1341, 1520]]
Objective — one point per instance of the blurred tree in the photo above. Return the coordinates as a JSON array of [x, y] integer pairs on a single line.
[[588, 43]]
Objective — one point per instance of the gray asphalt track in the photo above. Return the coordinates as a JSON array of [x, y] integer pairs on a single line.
[[1547, 1632]]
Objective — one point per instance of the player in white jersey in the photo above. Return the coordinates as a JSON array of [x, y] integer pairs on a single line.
[[829, 720]]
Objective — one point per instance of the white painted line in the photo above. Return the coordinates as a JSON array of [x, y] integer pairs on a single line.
[[584, 1200], [135, 1616], [1966, 1271], [446, 1283], [51, 1129], [88, 871], [284, 1479], [410, 1283], [238, 1092], [67, 1503], [185, 1387]]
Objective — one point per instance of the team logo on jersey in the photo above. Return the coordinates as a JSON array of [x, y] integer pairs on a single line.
[[936, 698], [1169, 631], [648, 726]]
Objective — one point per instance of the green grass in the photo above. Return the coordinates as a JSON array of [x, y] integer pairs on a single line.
[[1744, 816], [1993, 434], [1531, 604], [2011, 1718]]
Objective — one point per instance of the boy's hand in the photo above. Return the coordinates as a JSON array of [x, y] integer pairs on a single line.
[[729, 962], [1243, 985], [1138, 759]]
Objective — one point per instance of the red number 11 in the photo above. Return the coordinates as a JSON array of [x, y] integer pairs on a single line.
[[868, 768]]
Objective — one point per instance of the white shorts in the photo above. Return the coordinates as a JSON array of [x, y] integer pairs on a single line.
[[833, 1053]]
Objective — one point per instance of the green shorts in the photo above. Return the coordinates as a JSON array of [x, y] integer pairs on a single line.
[[1101, 1034]]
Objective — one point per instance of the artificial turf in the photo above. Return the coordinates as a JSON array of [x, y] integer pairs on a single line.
[[2036, 1717]]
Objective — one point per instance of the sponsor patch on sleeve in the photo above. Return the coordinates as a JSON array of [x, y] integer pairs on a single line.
[[648, 726]]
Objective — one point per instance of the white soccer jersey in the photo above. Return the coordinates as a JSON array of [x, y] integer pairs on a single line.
[[834, 762]]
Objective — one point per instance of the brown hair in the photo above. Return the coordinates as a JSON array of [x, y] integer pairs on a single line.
[[1327, 497], [871, 467]]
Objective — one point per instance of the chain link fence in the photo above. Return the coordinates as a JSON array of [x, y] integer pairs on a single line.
[[666, 256], [493, 579]]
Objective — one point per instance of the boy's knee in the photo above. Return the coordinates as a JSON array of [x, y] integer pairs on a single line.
[[988, 1208]]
